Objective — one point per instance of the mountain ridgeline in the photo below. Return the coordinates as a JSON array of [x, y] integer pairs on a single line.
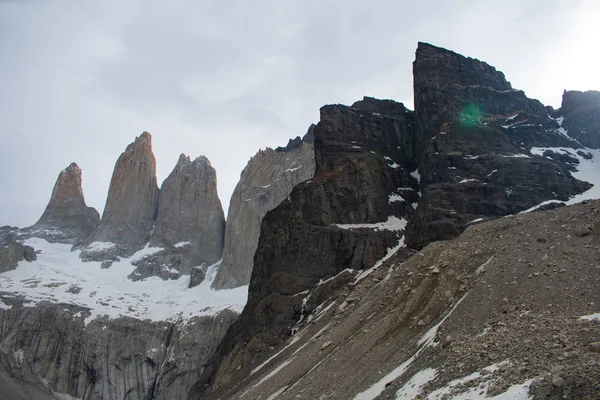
[[350, 242], [465, 154]]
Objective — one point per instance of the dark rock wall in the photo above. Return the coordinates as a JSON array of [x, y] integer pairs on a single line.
[[474, 133], [300, 244], [581, 112]]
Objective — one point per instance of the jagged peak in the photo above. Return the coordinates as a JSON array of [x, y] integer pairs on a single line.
[[185, 160]]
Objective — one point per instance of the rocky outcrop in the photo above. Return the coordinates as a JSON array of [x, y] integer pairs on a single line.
[[464, 154], [190, 223], [266, 181], [67, 218], [12, 253], [106, 359], [363, 164], [474, 133], [132, 202], [581, 113]]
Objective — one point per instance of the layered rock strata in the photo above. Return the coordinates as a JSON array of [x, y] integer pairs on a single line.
[[265, 182]]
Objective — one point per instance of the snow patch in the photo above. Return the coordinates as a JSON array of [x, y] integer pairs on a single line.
[[391, 163], [468, 180], [392, 224], [4, 306], [390, 253], [413, 387], [181, 244], [587, 170], [591, 317], [99, 246], [110, 292], [415, 174]]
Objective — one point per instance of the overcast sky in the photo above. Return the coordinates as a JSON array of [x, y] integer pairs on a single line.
[[80, 79]]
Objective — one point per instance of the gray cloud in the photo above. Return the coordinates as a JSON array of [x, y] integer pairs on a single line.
[[225, 78]]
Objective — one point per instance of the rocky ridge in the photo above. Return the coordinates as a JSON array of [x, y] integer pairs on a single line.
[[377, 163], [265, 182]]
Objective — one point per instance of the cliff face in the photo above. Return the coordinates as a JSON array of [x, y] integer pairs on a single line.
[[67, 218], [190, 223], [266, 181], [474, 148], [105, 359], [132, 201], [581, 113], [362, 177], [474, 135]]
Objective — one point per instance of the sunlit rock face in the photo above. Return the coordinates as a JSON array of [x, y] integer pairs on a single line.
[[67, 218], [132, 201], [474, 135]]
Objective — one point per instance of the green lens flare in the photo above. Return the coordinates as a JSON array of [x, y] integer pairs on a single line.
[[470, 115]]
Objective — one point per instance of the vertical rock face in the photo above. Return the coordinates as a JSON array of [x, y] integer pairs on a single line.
[[266, 181], [190, 223], [106, 359], [363, 161], [66, 211], [581, 112], [189, 208], [474, 133], [132, 200]]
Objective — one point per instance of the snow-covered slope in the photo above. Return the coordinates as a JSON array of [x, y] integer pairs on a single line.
[[59, 276]]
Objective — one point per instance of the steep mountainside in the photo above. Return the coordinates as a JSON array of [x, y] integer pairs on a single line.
[[390, 254], [473, 149], [362, 168], [510, 304], [266, 181], [474, 136], [131, 204]]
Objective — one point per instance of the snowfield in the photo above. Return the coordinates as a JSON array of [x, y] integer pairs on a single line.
[[59, 276]]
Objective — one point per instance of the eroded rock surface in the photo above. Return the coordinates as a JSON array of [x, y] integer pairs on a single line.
[[106, 359], [267, 180]]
